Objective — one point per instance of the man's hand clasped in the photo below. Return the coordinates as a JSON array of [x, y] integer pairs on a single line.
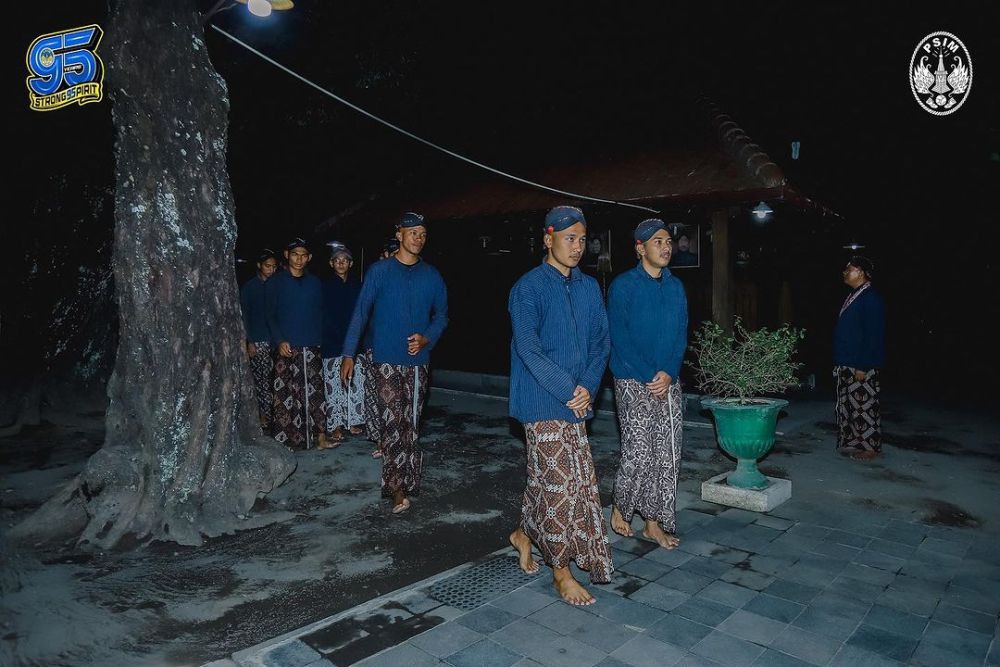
[[415, 343], [580, 403]]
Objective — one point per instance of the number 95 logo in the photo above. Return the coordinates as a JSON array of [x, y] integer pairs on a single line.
[[64, 68]]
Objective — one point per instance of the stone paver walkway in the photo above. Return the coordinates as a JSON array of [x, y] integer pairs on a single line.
[[802, 585]]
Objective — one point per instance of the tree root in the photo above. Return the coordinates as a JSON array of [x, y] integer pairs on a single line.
[[105, 503]]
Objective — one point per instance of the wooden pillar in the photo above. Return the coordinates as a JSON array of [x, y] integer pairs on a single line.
[[785, 304], [722, 285]]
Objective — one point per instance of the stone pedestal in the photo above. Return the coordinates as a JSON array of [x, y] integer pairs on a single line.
[[715, 490]]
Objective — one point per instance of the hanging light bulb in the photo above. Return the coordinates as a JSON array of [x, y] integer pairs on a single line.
[[261, 8], [761, 213]]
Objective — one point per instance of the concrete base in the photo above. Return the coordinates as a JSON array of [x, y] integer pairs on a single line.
[[715, 490]]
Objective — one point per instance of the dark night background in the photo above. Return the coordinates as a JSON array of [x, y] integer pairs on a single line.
[[510, 85]]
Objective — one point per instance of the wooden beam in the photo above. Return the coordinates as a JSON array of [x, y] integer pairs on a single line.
[[722, 285]]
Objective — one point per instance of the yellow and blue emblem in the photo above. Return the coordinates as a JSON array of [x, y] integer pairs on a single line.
[[64, 69]]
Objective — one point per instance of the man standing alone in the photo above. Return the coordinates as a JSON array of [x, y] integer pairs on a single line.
[[407, 302], [647, 308], [294, 317], [858, 353], [559, 351]]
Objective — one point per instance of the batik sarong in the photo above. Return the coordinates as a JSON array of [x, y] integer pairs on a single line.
[[859, 415], [344, 406], [401, 394], [652, 436], [561, 511], [262, 366], [372, 412], [299, 406]]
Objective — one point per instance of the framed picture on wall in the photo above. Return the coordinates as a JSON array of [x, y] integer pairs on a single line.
[[686, 246], [598, 252]]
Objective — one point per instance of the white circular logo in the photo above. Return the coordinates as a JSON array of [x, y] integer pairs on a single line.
[[941, 73]]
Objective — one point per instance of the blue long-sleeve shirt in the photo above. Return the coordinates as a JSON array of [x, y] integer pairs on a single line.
[[253, 304], [339, 299], [560, 340], [859, 337], [648, 321], [295, 309], [397, 301]]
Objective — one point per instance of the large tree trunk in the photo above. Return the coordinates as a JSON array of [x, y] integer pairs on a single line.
[[184, 456]]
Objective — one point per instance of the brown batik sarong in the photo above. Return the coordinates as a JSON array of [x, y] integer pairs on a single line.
[[859, 415], [652, 437], [561, 511], [262, 366], [299, 406], [372, 412], [401, 394]]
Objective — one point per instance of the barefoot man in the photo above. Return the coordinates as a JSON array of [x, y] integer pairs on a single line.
[[344, 404], [294, 301], [559, 351], [254, 306], [407, 302], [647, 308]]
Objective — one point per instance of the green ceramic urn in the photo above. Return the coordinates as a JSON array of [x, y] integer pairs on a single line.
[[745, 432]]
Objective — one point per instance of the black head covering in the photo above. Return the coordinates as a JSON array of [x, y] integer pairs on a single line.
[[297, 242], [864, 264]]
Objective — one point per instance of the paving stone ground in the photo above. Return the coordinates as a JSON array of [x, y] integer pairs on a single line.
[[891, 562], [803, 585]]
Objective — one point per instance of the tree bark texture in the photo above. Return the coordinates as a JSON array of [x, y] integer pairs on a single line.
[[184, 456]]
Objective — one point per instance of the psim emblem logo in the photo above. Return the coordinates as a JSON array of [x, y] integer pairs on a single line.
[[945, 88], [64, 69]]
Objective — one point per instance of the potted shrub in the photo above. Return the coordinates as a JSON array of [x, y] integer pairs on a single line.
[[734, 371]]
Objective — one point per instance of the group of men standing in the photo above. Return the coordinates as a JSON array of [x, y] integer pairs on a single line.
[[304, 336], [329, 357], [371, 343], [561, 344]]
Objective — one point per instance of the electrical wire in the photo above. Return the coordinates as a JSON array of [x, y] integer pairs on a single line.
[[415, 137]]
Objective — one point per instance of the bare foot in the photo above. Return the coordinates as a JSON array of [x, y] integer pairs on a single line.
[[400, 503], [569, 589], [520, 541], [357, 430], [619, 524], [327, 442], [376, 453], [652, 531]]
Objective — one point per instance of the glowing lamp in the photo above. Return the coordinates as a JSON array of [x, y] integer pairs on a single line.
[[762, 213], [263, 8], [259, 8]]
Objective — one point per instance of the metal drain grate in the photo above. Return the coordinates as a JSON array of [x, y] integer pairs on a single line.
[[480, 583]]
